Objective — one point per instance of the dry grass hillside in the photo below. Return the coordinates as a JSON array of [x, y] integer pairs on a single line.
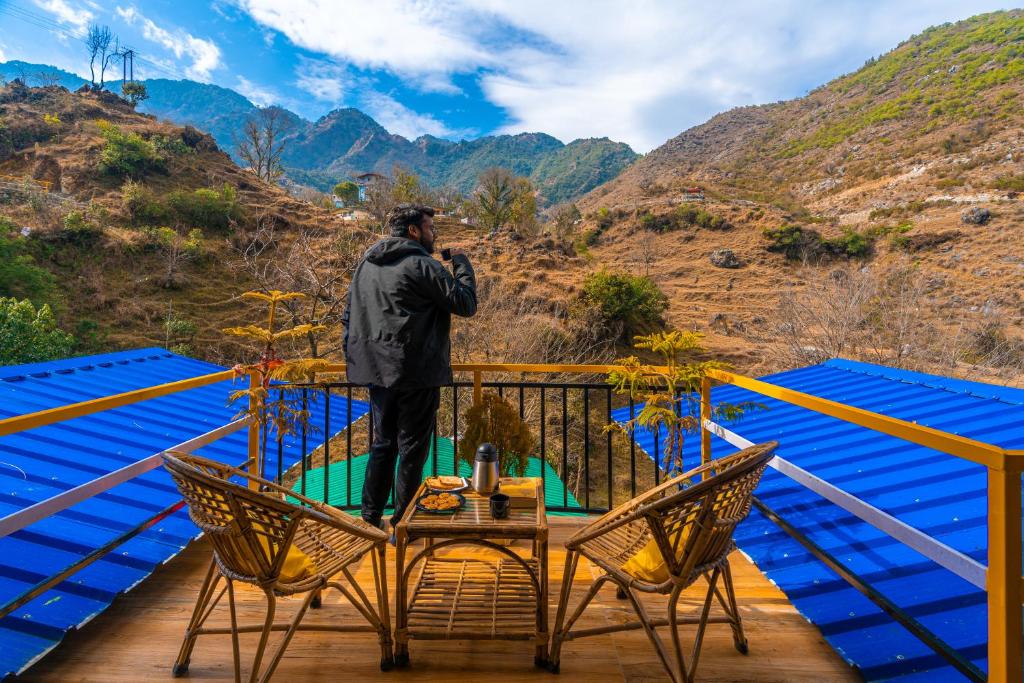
[[910, 168], [97, 230]]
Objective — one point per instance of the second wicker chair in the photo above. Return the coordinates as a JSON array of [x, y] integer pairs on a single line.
[[662, 542]]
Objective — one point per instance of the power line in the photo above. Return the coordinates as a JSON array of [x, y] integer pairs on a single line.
[[56, 27]]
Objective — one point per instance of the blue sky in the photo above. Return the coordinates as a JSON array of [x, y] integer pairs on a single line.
[[639, 72]]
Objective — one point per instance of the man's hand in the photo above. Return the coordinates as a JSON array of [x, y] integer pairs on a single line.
[[455, 251]]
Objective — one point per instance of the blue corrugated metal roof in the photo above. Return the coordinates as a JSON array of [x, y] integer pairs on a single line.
[[939, 494], [44, 462]]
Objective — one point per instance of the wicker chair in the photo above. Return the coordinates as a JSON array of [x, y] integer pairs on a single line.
[[260, 538], [686, 524]]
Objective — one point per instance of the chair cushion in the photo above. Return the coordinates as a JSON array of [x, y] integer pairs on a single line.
[[297, 564], [649, 565]]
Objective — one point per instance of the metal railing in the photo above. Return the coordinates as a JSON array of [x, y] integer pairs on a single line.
[[1002, 575], [567, 418]]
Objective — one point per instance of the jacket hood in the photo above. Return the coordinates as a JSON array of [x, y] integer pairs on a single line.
[[391, 249]]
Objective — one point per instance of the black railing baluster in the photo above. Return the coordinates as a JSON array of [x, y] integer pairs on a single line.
[[348, 445], [305, 432], [521, 413], [263, 442], [632, 448], [657, 457], [280, 441], [565, 446], [543, 444], [436, 452], [327, 443], [501, 391], [369, 424], [586, 448], [608, 436], [455, 430]]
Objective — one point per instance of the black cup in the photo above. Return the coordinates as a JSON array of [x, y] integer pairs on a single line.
[[500, 504], [446, 254]]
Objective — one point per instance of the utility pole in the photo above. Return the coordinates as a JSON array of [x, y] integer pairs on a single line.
[[127, 66]]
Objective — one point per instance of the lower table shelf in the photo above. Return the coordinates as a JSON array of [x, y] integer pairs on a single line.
[[475, 599]]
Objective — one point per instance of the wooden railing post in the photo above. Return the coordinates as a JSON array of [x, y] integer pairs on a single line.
[[478, 387], [705, 415], [1005, 628], [254, 431]]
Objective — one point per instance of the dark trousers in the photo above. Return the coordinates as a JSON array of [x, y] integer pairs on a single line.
[[403, 423]]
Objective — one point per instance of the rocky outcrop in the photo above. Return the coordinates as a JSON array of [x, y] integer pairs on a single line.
[[725, 258], [976, 215]]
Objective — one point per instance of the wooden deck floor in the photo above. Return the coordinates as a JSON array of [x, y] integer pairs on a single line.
[[138, 638]]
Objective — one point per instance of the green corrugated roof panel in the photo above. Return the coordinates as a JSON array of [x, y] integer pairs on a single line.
[[346, 477]]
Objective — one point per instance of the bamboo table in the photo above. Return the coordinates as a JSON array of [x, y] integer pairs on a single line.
[[499, 598]]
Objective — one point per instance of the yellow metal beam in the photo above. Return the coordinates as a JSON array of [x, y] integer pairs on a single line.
[[254, 466], [20, 423], [969, 449], [1005, 627], [525, 368]]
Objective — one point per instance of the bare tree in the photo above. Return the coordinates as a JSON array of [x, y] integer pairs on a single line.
[[314, 263], [262, 145], [47, 79], [103, 50], [380, 199]]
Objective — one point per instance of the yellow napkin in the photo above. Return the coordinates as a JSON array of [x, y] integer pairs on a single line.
[[518, 488]]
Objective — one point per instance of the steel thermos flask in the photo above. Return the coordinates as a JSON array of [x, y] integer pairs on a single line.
[[485, 469]]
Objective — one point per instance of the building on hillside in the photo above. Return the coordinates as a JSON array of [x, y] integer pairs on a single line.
[[364, 180]]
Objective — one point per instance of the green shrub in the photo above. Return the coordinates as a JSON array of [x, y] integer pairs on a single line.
[[170, 146], [30, 335], [632, 302], [206, 208], [128, 154], [686, 215], [850, 244], [20, 276], [142, 204], [79, 230], [1012, 183], [797, 242], [794, 241]]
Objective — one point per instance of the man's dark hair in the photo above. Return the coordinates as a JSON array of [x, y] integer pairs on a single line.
[[404, 216]]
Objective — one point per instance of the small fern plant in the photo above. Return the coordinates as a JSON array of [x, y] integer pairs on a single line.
[[670, 393], [288, 411], [496, 421]]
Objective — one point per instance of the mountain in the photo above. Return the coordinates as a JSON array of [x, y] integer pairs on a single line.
[[346, 141], [952, 89], [912, 164]]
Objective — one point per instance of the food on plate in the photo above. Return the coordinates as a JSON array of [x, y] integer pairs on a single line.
[[440, 501], [445, 482]]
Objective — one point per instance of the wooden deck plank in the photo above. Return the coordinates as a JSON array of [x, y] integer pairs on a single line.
[[138, 638]]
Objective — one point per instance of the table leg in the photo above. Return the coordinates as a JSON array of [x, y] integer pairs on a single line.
[[401, 625], [541, 656]]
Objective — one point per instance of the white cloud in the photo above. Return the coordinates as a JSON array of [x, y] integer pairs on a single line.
[[325, 81], [3, 55], [397, 118], [76, 17], [407, 37], [257, 94], [637, 72], [203, 54]]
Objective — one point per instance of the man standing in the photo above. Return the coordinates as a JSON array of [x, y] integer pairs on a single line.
[[397, 324]]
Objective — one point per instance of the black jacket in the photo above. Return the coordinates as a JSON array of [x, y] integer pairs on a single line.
[[398, 315]]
